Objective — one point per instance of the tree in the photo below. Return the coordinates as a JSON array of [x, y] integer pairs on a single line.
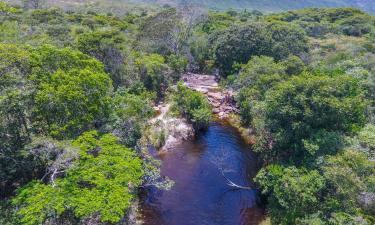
[[72, 102], [351, 178], [366, 139], [306, 114], [72, 92], [101, 183], [293, 192], [154, 72], [168, 31], [260, 73], [131, 113], [157, 32], [15, 113], [287, 39], [33, 4], [108, 47], [294, 65], [254, 80], [5, 9], [357, 25], [239, 44]]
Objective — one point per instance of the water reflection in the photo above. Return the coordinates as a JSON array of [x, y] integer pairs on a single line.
[[201, 195]]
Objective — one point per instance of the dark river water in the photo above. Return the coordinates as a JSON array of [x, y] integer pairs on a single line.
[[201, 195]]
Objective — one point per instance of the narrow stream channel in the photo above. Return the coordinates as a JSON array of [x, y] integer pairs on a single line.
[[201, 195]]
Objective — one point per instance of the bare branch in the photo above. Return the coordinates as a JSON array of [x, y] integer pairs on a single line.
[[220, 160]]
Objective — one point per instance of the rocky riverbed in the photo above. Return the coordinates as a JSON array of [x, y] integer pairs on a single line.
[[221, 100], [172, 131]]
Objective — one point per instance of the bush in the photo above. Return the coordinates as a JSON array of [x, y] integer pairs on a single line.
[[178, 64], [193, 105]]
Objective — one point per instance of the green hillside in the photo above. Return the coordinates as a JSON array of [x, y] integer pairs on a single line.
[[273, 5], [264, 5]]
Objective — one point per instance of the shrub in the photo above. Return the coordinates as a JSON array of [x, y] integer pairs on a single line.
[[193, 105]]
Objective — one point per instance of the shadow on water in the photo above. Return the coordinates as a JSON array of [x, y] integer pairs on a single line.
[[201, 195]]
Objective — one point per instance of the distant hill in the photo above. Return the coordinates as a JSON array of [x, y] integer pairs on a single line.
[[262, 5], [272, 5]]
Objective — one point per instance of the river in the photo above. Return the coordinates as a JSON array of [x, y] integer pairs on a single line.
[[201, 195]]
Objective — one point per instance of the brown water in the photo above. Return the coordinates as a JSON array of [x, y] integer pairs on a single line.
[[201, 195]]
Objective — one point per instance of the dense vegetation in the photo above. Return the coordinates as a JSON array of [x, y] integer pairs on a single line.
[[308, 103], [264, 5], [305, 88], [77, 89], [76, 93]]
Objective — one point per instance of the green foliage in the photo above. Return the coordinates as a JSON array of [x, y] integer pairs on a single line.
[[158, 33], [62, 105], [293, 65], [193, 105], [47, 60], [340, 195], [178, 64], [303, 110], [319, 22], [7, 214], [128, 104], [72, 92], [108, 47], [260, 73], [239, 43], [14, 66], [39, 202], [366, 138], [217, 21], [6, 9], [287, 39], [293, 192], [254, 79], [14, 113], [131, 113], [351, 176], [154, 72], [99, 183], [303, 98]]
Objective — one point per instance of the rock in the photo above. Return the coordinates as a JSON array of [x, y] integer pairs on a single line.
[[169, 131], [216, 110], [222, 101]]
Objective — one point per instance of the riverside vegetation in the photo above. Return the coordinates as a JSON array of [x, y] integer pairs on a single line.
[[77, 89]]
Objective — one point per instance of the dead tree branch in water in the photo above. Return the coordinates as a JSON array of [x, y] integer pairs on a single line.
[[220, 161]]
